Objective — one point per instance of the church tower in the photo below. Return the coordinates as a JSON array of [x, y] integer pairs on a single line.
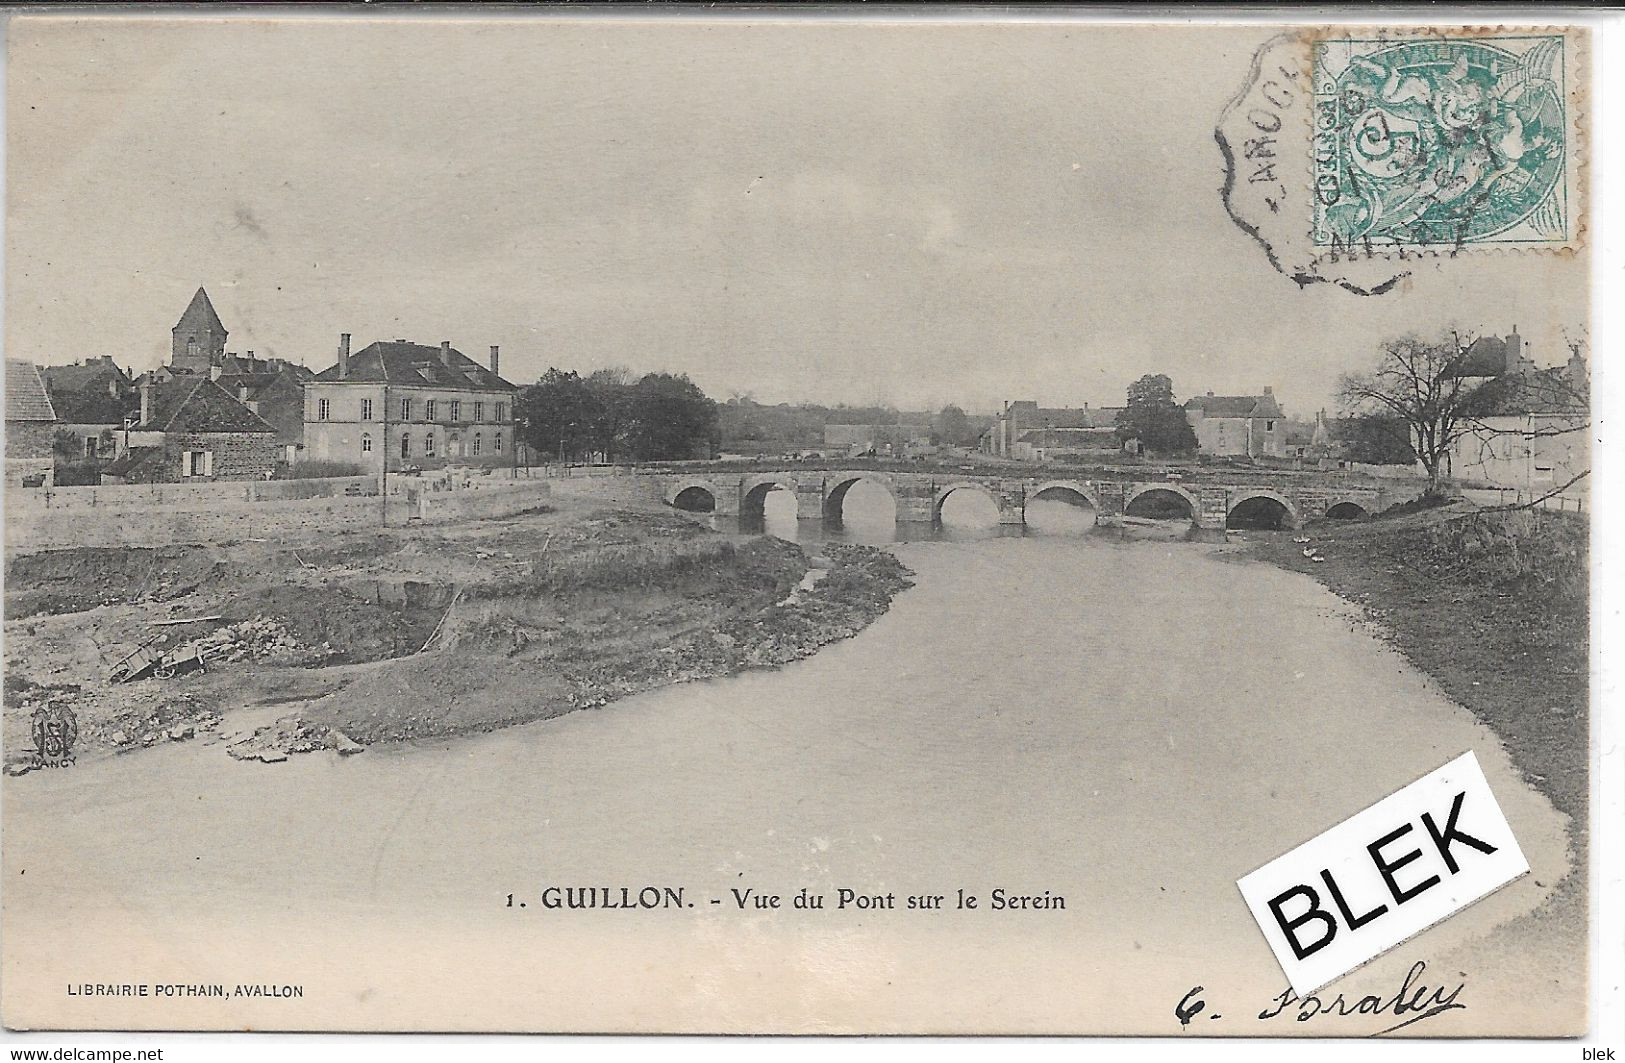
[[199, 339]]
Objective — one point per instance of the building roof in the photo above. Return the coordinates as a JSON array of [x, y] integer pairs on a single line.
[[1028, 414], [1547, 391], [257, 383], [200, 315], [199, 405], [1235, 405], [400, 362], [92, 372], [93, 405], [132, 459], [26, 396], [248, 365], [1489, 356]]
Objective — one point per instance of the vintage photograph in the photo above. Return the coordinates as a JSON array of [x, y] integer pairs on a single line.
[[790, 525]]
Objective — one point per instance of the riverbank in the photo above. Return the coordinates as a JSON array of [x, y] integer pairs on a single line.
[[393, 636], [1493, 606]]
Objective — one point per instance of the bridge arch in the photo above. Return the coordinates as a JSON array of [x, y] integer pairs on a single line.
[[1347, 509], [694, 494], [1070, 491], [963, 485], [1192, 505], [1278, 509], [837, 485], [754, 491]]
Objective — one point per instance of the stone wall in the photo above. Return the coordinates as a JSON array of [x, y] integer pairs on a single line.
[[31, 526]]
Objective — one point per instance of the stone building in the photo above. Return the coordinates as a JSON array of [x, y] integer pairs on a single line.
[[198, 340], [190, 430], [1527, 426], [1252, 426], [30, 426], [275, 390], [1030, 432], [410, 405], [93, 399]]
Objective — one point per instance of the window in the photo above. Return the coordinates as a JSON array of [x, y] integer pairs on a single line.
[[479, 411], [323, 408], [366, 443], [406, 445], [1269, 426], [406, 409], [456, 410], [428, 410], [476, 444], [197, 463], [497, 444], [90, 446], [366, 410], [502, 411], [428, 444]]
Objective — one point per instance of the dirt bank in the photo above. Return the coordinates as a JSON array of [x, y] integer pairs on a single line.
[[389, 636], [1493, 605]]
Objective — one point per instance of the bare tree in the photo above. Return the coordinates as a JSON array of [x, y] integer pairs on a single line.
[[1436, 392], [1422, 384]]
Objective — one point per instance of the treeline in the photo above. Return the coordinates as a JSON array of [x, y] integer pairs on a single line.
[[616, 415], [750, 427]]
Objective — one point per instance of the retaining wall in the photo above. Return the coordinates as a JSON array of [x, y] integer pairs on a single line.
[[31, 526]]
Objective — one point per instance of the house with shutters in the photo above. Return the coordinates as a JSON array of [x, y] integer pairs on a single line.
[[191, 430], [410, 405], [1252, 426]]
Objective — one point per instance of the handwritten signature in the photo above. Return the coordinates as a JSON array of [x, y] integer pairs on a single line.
[[1411, 1003]]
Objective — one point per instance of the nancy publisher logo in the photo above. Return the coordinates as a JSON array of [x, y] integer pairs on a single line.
[[54, 729]]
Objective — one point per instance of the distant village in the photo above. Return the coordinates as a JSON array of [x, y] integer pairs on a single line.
[[212, 414]]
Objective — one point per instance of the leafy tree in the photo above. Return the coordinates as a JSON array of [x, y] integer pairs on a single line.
[[953, 427], [561, 415], [1376, 439], [670, 419], [612, 387], [1154, 418]]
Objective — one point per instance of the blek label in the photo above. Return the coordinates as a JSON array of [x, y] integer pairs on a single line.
[[1419, 855]]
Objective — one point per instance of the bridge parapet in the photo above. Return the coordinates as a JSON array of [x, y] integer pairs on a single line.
[[919, 497]]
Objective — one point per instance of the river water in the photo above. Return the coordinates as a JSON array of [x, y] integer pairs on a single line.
[[1130, 726]]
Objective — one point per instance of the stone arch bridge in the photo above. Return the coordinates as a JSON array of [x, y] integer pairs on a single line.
[[1210, 506]]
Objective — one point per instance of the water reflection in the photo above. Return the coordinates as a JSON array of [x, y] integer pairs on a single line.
[[869, 516]]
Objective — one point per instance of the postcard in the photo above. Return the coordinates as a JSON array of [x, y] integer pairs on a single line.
[[802, 525]]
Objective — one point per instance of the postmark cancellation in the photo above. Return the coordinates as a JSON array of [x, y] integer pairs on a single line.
[[1350, 152]]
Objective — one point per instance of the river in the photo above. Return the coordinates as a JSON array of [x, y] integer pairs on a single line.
[[1128, 725]]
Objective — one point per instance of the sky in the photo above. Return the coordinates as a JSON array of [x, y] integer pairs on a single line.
[[795, 211]]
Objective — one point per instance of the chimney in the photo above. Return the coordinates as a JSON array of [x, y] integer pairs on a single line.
[[445, 353], [494, 360], [146, 400], [1269, 390], [344, 356]]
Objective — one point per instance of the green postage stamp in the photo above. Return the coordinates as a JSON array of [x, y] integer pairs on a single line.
[[1445, 143]]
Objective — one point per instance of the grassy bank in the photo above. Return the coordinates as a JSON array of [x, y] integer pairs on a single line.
[[390, 636], [1491, 604]]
